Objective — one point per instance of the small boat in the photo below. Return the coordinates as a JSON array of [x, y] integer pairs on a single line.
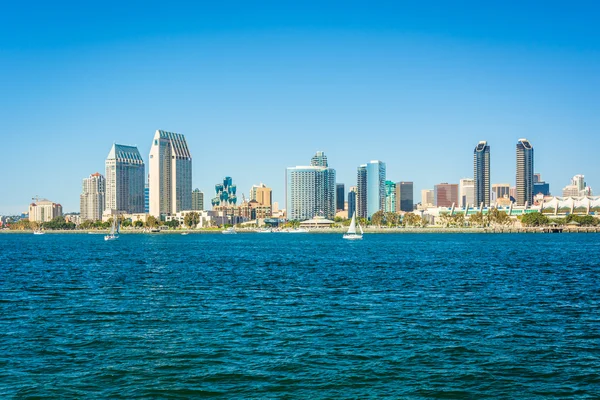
[[38, 232], [114, 230], [351, 234], [297, 230], [229, 231], [184, 233]]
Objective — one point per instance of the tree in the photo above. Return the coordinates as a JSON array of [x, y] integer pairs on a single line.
[[458, 220], [138, 224], [411, 219], [377, 218], [477, 219], [534, 219], [151, 222], [172, 224], [445, 219], [192, 219], [126, 223], [391, 219]]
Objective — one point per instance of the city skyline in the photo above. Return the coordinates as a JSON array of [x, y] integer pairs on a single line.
[[412, 85]]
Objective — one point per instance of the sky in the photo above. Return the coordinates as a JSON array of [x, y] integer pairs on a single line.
[[256, 87]]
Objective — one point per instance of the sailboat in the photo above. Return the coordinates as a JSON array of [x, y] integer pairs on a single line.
[[351, 234], [229, 231], [114, 230], [38, 231]]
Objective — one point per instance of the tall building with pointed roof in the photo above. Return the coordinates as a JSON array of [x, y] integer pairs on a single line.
[[170, 174], [481, 172], [125, 172], [524, 172]]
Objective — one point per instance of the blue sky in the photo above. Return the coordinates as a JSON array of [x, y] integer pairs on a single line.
[[256, 88]]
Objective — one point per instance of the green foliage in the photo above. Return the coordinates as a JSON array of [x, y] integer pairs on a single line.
[[534, 219], [151, 222], [411, 219], [59, 223], [172, 224], [477, 219], [192, 219], [126, 223], [138, 224], [583, 220], [377, 218], [497, 217], [338, 219]]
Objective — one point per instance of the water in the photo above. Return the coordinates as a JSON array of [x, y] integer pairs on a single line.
[[303, 316]]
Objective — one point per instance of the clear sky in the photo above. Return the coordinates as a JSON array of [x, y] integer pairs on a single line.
[[259, 86]]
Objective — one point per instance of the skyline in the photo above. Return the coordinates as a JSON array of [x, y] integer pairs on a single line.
[[255, 92]]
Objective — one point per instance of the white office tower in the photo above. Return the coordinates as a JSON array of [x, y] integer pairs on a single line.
[[125, 171], [466, 192], [92, 198], [170, 174]]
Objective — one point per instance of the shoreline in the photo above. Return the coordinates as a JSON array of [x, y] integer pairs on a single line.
[[425, 230]]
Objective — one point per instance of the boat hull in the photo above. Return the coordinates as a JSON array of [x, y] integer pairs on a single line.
[[352, 237]]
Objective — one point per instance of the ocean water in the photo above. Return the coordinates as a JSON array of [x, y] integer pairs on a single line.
[[443, 316]]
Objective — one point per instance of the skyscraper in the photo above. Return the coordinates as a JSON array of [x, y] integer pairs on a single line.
[[445, 194], [125, 172], [370, 184], [310, 190], [170, 177], [427, 197], [466, 192], [340, 196], [197, 200], [524, 172], [404, 196], [391, 199], [481, 172], [351, 201], [92, 198]]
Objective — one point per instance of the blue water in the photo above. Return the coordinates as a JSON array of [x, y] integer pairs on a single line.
[[300, 316]]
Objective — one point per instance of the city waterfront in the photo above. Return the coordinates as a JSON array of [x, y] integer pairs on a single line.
[[310, 316]]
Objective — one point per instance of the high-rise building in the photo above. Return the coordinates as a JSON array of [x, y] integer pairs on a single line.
[[524, 172], [197, 200], [481, 171], [146, 198], [466, 192], [340, 196], [319, 160], [262, 194], [404, 197], [352, 201], [578, 187], [44, 210], [500, 190], [390, 197], [92, 198], [446, 194], [427, 197], [170, 174], [310, 190], [370, 196], [125, 172]]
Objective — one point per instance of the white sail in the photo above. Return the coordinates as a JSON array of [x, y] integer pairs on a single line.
[[360, 227], [352, 228]]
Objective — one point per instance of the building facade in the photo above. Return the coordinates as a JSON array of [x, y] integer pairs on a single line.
[[310, 190], [197, 200], [340, 196], [466, 192], [125, 173], [524, 172], [427, 198], [500, 190], [405, 197], [391, 199], [170, 174], [262, 194], [351, 201], [361, 191], [481, 172], [370, 184], [92, 198], [445, 194], [44, 211]]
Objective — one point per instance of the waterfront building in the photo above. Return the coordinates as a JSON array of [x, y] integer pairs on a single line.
[[92, 198], [146, 198], [262, 194], [44, 210], [339, 196], [500, 190], [524, 172], [310, 190], [539, 186], [513, 194], [370, 196], [170, 174], [404, 197], [197, 200], [352, 201], [445, 194], [466, 192], [578, 187], [125, 173], [427, 198], [481, 172], [390, 197]]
